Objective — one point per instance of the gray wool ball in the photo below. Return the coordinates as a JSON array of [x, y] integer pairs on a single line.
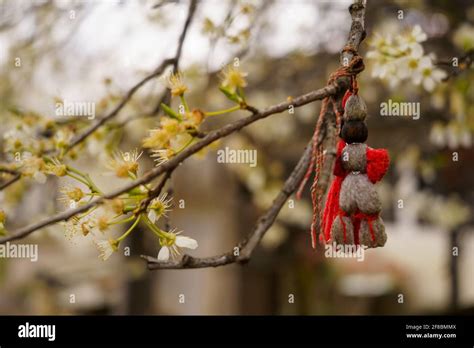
[[355, 109], [354, 157], [359, 194]]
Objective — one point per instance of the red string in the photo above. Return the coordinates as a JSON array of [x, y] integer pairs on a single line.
[[370, 218]]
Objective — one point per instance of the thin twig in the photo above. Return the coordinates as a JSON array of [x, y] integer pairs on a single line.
[[187, 23], [154, 193], [158, 71], [464, 63], [10, 181]]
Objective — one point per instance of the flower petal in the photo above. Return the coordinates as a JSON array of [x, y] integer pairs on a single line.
[[164, 254], [429, 84], [186, 242]]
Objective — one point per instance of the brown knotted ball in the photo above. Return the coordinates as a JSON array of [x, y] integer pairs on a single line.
[[354, 131]]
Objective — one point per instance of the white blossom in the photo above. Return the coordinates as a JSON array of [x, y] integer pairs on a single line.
[[400, 58], [427, 75], [106, 248], [413, 38], [33, 166], [171, 246], [159, 207]]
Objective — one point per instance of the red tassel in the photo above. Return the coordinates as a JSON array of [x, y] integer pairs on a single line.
[[377, 163], [331, 208]]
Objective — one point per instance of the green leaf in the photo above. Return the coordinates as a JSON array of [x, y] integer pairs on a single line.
[[230, 95], [136, 191], [170, 112]]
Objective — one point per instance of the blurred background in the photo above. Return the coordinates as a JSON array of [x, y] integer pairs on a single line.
[[96, 50]]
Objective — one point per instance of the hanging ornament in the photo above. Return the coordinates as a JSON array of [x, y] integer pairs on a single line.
[[352, 210]]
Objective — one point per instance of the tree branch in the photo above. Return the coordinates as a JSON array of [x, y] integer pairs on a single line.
[[12, 180], [246, 247], [179, 158]]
